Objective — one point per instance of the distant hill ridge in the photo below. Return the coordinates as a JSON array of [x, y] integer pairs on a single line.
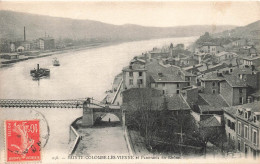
[[251, 31], [12, 23]]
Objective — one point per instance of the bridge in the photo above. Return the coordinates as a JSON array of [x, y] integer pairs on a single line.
[[92, 109]]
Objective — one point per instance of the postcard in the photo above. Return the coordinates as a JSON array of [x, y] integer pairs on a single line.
[[129, 82]]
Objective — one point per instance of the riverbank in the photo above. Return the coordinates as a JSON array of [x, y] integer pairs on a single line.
[[41, 54]]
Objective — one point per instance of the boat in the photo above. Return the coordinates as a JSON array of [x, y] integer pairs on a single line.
[[55, 62], [40, 72]]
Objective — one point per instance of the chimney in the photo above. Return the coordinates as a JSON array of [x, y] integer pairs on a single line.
[[24, 34], [38, 67]]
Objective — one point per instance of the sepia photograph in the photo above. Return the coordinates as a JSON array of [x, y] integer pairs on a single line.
[[129, 81]]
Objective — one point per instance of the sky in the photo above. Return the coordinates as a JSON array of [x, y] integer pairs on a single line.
[[146, 13]]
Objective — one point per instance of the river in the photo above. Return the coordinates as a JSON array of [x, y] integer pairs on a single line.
[[86, 73]]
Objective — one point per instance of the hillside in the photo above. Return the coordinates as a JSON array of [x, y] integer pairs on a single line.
[[12, 23], [251, 31]]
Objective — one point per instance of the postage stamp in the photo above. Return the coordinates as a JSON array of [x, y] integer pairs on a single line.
[[23, 140]]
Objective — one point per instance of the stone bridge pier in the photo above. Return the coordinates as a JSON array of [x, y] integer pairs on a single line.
[[93, 111]]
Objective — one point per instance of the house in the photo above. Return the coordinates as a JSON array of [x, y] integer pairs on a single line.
[[210, 83], [210, 48], [251, 60], [134, 75], [159, 53], [20, 49], [230, 123], [222, 56], [233, 90], [247, 51], [168, 78], [12, 47], [239, 43], [245, 121]]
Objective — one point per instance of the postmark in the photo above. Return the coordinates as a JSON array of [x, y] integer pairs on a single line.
[[23, 140]]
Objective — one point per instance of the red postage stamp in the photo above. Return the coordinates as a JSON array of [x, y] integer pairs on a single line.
[[23, 140]]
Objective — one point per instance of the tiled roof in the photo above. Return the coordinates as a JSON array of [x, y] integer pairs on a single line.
[[208, 108], [170, 73], [159, 51], [222, 53], [214, 100], [235, 81], [133, 96], [232, 111], [175, 102], [167, 77], [251, 58], [210, 122], [214, 68], [212, 76], [135, 67], [255, 107]]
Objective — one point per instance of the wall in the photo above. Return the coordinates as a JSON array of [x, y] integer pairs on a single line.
[[227, 128], [227, 92], [74, 140], [135, 77], [209, 87], [170, 88], [237, 95]]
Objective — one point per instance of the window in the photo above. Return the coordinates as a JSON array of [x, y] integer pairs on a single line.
[[246, 131], [246, 115], [239, 128], [131, 74], [130, 81], [140, 73], [178, 91], [214, 91], [240, 100], [240, 90], [213, 84], [163, 84], [254, 136], [189, 84], [178, 85], [156, 85], [163, 91], [140, 81]]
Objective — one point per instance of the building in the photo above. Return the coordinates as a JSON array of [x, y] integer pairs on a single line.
[[210, 48], [222, 56], [251, 60], [156, 101], [26, 45], [168, 78], [20, 49], [244, 122], [234, 90], [46, 43], [134, 75]]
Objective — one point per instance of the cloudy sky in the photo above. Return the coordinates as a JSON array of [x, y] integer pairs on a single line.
[[146, 13]]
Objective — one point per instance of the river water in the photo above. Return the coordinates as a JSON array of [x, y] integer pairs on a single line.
[[86, 73]]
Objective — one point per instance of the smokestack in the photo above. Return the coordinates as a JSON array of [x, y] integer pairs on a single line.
[[24, 35]]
